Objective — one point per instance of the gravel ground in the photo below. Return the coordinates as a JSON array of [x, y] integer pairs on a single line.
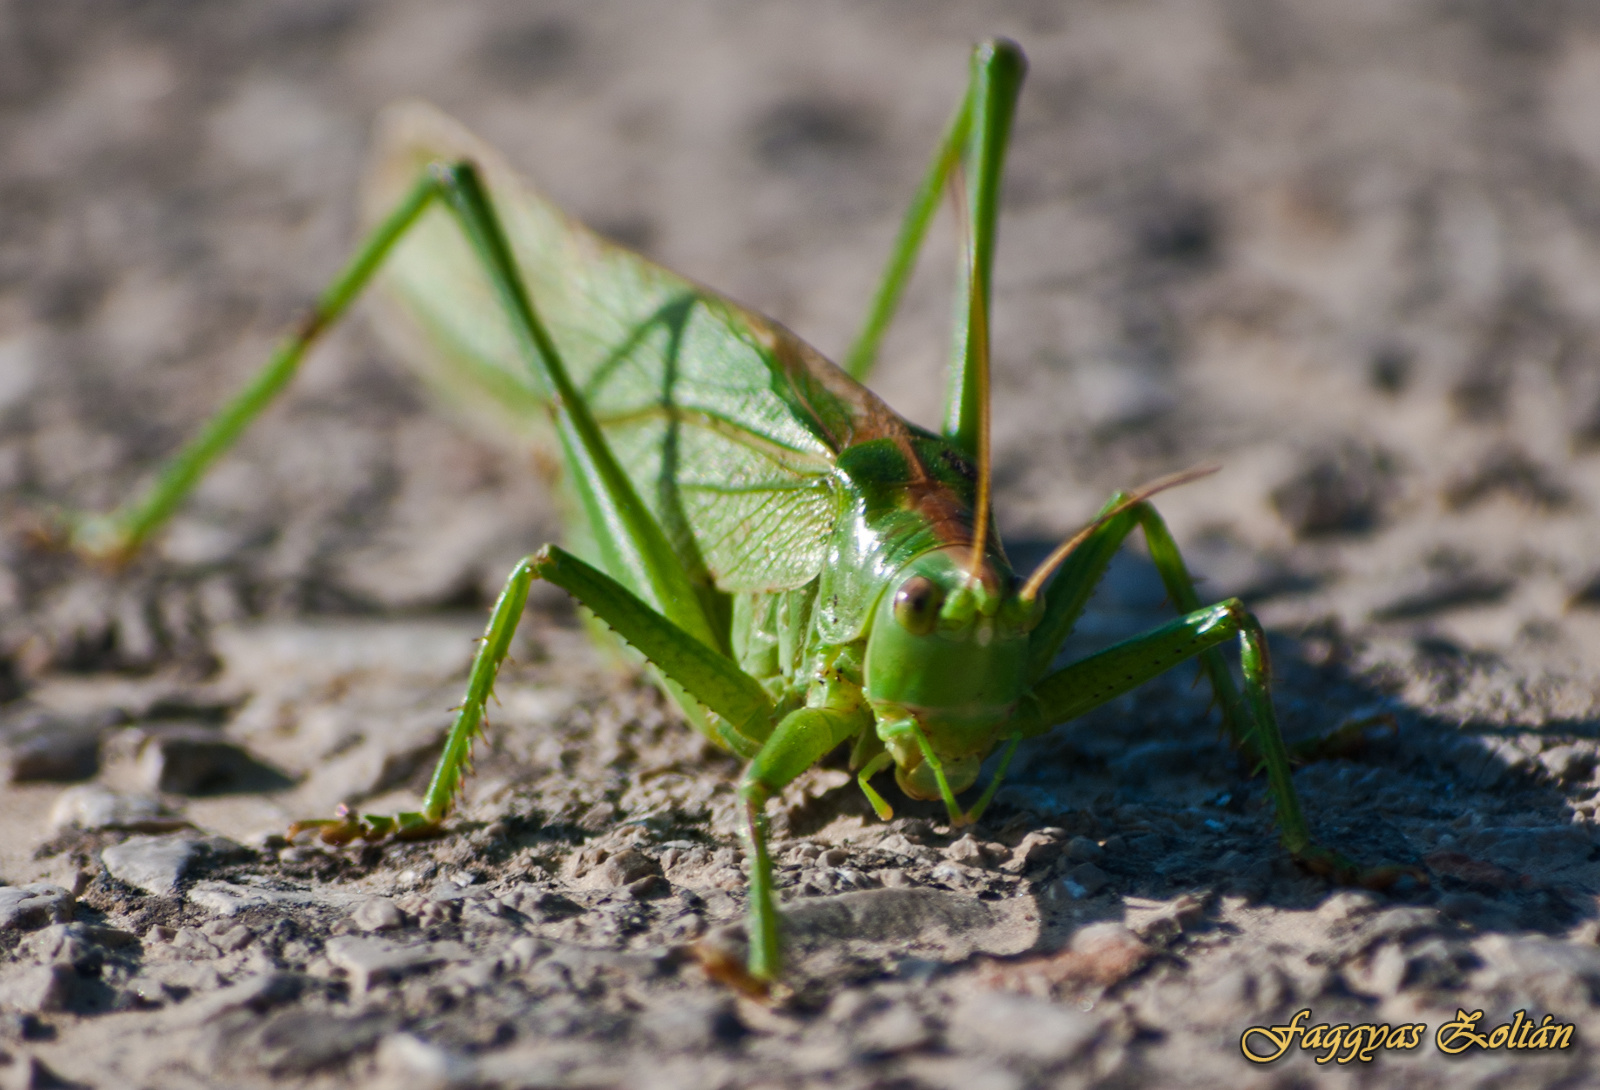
[[1350, 252]]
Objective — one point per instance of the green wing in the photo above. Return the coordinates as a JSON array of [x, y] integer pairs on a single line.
[[726, 423]]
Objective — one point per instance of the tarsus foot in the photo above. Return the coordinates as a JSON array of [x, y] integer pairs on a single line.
[[349, 826], [1327, 863]]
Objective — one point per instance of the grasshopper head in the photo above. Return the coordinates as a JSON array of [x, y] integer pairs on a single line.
[[947, 652]]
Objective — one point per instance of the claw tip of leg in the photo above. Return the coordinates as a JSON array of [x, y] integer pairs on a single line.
[[725, 967]]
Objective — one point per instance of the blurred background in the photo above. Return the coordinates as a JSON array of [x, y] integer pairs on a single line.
[[1351, 252]]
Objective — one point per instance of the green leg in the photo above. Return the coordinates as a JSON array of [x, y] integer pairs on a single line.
[[1082, 686], [707, 675], [1068, 593], [800, 740], [117, 536], [1076, 689], [636, 547]]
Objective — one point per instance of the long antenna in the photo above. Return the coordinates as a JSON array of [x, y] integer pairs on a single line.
[[1030, 589]]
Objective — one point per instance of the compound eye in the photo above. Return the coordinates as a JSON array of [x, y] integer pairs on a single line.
[[916, 605]]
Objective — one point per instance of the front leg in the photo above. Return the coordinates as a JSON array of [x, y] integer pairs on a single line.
[[802, 738], [1076, 689]]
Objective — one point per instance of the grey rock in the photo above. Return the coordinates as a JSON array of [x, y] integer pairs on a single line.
[[1169, 920], [230, 899], [641, 889], [899, 844], [171, 981], [378, 914], [92, 807], [80, 945], [1085, 880], [1234, 992], [29, 1073], [185, 759], [39, 989], [22, 1027], [194, 945], [692, 1024], [1399, 923], [298, 1042], [1035, 849], [377, 961], [543, 904], [1346, 906], [1080, 849], [38, 905], [404, 1060], [45, 747], [1480, 911], [898, 1029], [1018, 1026], [956, 875], [258, 994], [1557, 975], [1434, 964], [155, 864], [233, 939], [521, 953], [624, 868], [968, 852], [446, 892], [1569, 762], [1367, 931]]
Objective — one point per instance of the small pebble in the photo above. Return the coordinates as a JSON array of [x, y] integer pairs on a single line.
[[192, 760], [624, 868], [1014, 1025], [968, 852], [898, 1029], [39, 989], [37, 905], [1085, 880], [378, 914], [1034, 848], [49, 748], [1080, 849], [92, 807], [234, 939], [155, 864]]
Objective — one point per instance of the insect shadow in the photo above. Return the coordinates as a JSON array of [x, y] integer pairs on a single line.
[[1486, 809]]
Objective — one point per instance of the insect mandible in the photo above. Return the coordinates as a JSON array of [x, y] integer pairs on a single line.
[[801, 567]]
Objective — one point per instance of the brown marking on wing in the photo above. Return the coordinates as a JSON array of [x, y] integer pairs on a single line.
[[857, 414], [863, 417]]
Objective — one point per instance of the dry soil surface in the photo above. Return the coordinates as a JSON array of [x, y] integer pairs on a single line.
[[1350, 252]]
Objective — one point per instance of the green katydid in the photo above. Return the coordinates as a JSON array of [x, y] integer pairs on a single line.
[[800, 567]]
